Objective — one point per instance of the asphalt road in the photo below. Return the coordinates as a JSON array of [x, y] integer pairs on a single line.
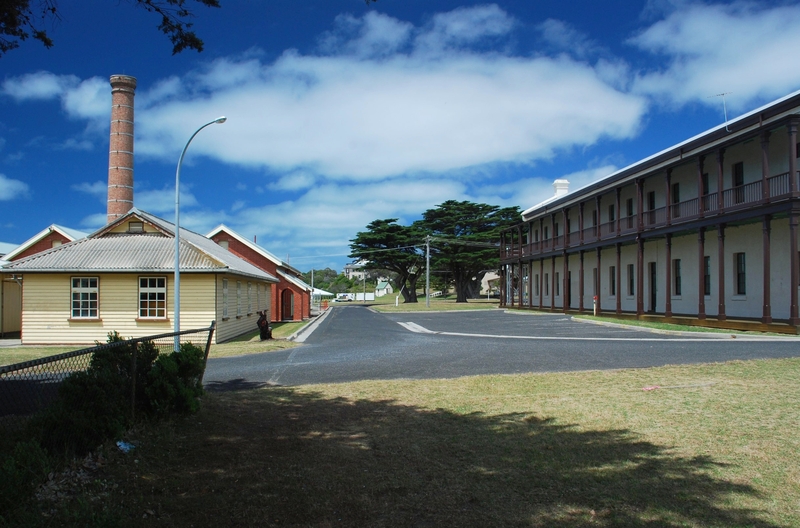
[[354, 343]]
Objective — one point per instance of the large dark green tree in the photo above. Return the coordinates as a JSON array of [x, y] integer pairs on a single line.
[[465, 241], [387, 245], [23, 19]]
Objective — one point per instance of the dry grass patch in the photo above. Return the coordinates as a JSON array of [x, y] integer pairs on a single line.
[[12, 355], [438, 305], [716, 445], [251, 343], [245, 344]]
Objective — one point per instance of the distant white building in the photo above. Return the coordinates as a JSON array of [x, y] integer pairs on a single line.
[[383, 288], [355, 270]]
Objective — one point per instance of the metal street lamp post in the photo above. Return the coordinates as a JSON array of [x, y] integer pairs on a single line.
[[177, 302]]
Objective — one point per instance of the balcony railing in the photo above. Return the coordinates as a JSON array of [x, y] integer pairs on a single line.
[[778, 186], [742, 195], [655, 218]]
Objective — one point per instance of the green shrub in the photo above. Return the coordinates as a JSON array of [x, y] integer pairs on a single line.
[[174, 381], [21, 471], [92, 407]]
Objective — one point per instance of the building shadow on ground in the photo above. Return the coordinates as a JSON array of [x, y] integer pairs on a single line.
[[284, 457]]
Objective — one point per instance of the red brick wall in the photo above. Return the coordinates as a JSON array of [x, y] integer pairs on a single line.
[[301, 299], [43, 244]]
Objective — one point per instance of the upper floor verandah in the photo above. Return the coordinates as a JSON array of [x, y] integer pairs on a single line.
[[518, 242]]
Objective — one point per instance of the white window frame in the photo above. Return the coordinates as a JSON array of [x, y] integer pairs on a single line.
[[740, 274], [612, 281], [249, 298], [224, 298], [150, 310], [87, 290], [677, 279], [238, 298]]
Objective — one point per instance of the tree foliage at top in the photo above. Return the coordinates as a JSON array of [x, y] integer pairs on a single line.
[[387, 245], [19, 20], [465, 241]]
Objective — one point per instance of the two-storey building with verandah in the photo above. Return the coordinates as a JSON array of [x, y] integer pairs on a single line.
[[703, 232]]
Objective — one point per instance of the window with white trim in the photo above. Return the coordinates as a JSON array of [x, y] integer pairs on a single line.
[[238, 298], [224, 298], [85, 297], [612, 281], [152, 297], [631, 279], [249, 298], [739, 263]]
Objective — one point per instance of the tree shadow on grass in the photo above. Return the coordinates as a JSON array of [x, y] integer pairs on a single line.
[[280, 457]]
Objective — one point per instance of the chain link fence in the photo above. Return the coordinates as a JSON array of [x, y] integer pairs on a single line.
[[28, 387]]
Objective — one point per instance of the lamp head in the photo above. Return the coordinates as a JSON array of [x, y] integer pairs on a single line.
[[221, 119]]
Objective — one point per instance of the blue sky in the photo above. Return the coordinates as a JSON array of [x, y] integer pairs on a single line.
[[341, 113]]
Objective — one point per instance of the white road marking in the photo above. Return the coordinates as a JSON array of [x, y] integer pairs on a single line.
[[414, 327]]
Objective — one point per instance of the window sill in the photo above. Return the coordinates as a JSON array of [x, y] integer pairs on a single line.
[[239, 316], [738, 297], [226, 318], [677, 298], [152, 319], [85, 320]]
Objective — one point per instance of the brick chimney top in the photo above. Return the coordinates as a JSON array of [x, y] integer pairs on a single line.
[[120, 149]]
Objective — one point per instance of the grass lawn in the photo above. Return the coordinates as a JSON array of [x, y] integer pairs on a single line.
[[669, 326], [437, 305], [245, 344], [251, 343], [714, 445]]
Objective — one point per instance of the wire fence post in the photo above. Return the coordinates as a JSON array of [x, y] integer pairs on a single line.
[[135, 348], [208, 348]]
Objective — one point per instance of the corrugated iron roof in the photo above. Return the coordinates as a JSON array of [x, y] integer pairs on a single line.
[[294, 280], [138, 252]]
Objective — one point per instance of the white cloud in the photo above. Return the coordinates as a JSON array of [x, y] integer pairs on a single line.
[[76, 144], [742, 47], [98, 189], [39, 86], [375, 35], [94, 221], [344, 117], [11, 189], [323, 220], [464, 25], [162, 202], [296, 181], [90, 100], [564, 37], [528, 192]]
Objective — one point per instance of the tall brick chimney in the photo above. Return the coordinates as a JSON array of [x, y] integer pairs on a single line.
[[120, 150]]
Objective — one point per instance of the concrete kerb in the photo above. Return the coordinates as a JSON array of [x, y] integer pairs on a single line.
[[710, 335], [302, 334]]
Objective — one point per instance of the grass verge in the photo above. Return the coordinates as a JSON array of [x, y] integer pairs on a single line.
[[11, 355], [246, 344], [671, 327], [715, 445], [437, 305]]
